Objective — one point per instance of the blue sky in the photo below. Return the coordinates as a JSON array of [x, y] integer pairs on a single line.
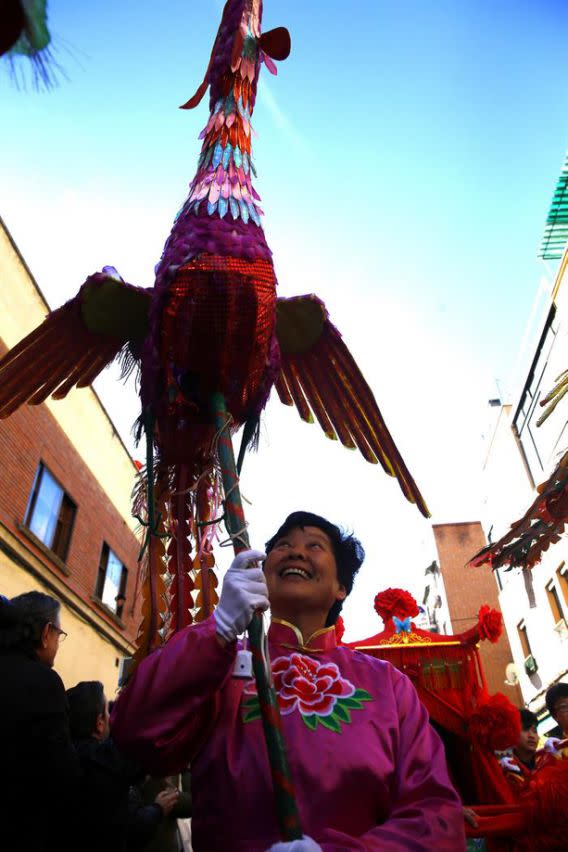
[[407, 153]]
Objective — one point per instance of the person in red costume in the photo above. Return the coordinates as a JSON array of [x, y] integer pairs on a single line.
[[369, 771], [522, 763]]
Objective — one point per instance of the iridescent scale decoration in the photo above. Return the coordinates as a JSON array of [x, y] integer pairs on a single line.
[[224, 175]]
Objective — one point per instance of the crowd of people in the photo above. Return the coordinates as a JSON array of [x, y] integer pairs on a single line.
[[369, 770], [65, 785]]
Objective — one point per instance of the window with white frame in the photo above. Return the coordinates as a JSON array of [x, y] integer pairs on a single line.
[[524, 639], [562, 577], [554, 602], [50, 513], [111, 580]]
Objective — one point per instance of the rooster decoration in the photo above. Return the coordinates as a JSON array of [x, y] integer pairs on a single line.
[[212, 323]]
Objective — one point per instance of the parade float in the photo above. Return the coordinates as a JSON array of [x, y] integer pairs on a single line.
[[447, 673]]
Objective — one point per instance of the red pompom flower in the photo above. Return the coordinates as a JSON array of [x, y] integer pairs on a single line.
[[496, 724], [395, 602], [339, 630], [490, 623]]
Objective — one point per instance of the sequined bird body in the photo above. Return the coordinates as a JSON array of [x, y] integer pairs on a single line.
[[214, 312], [212, 324]]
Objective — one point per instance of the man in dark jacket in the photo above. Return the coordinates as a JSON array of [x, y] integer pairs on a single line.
[[110, 820], [103, 810], [36, 745]]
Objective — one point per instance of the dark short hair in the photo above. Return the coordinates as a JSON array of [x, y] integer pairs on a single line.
[[86, 702], [528, 719], [23, 618], [348, 551], [559, 690]]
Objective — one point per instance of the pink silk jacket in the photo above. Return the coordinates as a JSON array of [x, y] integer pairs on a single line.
[[369, 771]]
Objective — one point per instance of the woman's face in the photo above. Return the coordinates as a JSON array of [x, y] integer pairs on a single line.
[[301, 574]]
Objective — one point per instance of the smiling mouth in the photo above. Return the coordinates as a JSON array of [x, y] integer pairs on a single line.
[[294, 571]]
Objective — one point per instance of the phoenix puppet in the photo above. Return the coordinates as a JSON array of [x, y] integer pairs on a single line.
[[211, 324]]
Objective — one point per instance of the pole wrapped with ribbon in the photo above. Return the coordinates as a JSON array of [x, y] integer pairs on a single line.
[[286, 806]]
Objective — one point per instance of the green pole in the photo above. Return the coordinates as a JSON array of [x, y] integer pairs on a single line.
[[286, 806]]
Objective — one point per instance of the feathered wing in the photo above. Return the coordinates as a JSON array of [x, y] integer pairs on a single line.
[[318, 374], [75, 342], [542, 525]]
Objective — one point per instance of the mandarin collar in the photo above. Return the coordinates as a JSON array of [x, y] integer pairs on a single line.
[[286, 634]]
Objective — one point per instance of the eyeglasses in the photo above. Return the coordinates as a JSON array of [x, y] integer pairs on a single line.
[[61, 633]]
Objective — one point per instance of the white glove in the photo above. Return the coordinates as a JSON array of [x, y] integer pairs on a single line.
[[244, 591], [306, 844], [554, 745], [509, 764]]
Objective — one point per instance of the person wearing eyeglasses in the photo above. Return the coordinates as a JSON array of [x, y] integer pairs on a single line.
[[35, 740], [557, 706]]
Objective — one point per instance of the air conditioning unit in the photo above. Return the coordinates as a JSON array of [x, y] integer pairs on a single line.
[[531, 666], [511, 675], [562, 629]]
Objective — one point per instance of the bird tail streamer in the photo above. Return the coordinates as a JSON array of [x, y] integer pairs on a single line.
[[177, 565]]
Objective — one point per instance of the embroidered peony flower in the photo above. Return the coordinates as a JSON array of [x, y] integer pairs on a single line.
[[308, 685], [496, 724], [490, 623], [314, 689], [395, 602], [339, 630]]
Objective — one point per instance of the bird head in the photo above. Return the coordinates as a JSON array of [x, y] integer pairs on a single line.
[[239, 49]]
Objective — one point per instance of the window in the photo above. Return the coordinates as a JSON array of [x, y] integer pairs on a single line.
[[535, 443], [554, 602], [562, 577], [522, 631], [111, 581], [51, 513]]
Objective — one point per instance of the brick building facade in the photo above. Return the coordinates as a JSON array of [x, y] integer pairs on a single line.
[[466, 590], [65, 522]]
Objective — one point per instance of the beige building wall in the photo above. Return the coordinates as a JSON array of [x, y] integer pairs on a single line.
[[81, 414], [96, 640]]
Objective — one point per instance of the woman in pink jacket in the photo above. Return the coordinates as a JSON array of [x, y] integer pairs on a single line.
[[369, 771]]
